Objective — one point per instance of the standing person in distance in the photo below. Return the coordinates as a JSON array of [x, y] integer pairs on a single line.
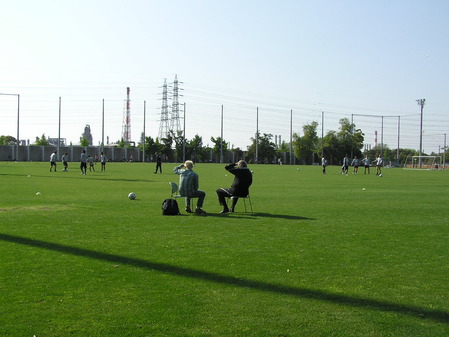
[[91, 163], [366, 163], [53, 160], [83, 162], [243, 178], [103, 161], [65, 162], [158, 163], [324, 164], [379, 164], [355, 163], [345, 165], [188, 186]]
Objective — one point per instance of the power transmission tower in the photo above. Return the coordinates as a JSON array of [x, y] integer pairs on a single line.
[[164, 127], [175, 124]]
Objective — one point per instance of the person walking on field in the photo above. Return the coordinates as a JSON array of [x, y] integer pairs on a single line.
[[344, 167], [158, 163], [65, 160], [188, 186], [83, 162], [53, 161]]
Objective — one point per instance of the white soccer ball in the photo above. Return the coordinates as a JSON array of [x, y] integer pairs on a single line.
[[132, 196], [380, 175]]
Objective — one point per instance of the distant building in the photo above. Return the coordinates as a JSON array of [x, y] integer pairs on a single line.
[[86, 134], [54, 141]]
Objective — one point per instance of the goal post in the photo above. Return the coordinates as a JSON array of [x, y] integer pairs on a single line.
[[423, 162]]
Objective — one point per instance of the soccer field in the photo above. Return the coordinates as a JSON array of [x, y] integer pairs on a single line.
[[322, 255]]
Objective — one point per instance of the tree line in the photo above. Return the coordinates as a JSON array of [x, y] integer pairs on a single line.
[[308, 148]]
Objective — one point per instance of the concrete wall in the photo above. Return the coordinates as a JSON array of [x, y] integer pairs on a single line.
[[42, 153]]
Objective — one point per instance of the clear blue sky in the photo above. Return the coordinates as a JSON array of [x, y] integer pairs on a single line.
[[346, 58]]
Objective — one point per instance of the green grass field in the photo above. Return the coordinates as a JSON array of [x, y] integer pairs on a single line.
[[322, 255]]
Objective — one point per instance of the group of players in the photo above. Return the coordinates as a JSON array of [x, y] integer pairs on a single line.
[[366, 162], [84, 160]]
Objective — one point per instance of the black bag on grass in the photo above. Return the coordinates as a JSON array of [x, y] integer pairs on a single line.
[[170, 207]]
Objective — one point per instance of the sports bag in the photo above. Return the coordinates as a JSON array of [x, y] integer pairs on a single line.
[[170, 207]]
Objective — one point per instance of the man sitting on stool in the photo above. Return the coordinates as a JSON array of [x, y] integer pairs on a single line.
[[243, 178], [188, 186]]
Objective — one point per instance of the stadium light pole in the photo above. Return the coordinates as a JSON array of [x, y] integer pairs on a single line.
[[421, 103], [221, 133], [144, 117], [399, 132], [184, 135], [444, 153], [59, 129], [257, 136], [102, 127], [291, 136], [322, 134], [18, 122]]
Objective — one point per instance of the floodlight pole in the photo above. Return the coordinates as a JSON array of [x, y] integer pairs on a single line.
[[18, 122], [352, 134], [102, 127], [399, 132], [382, 137], [59, 129], [421, 103], [144, 116], [221, 140], [257, 136], [291, 136], [184, 136], [322, 134], [444, 153]]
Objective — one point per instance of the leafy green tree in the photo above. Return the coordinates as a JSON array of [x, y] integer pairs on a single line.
[[150, 148], [84, 141], [121, 143], [350, 138], [41, 141], [166, 147], [331, 147], [7, 140], [306, 147], [195, 149], [218, 143], [178, 139], [266, 149]]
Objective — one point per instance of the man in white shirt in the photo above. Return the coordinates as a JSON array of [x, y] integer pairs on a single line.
[[53, 161], [83, 165]]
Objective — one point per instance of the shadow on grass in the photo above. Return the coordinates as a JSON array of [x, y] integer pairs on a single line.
[[319, 295], [255, 216]]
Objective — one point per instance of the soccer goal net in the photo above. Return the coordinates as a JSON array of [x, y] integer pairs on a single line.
[[423, 162]]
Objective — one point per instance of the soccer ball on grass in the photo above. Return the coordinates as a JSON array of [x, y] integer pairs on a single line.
[[132, 196]]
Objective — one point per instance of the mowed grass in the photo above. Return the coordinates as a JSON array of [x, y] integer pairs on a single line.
[[322, 255]]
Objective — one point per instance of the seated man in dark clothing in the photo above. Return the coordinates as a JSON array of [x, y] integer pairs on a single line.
[[243, 178]]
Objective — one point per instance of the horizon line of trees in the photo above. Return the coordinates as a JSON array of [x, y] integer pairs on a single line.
[[307, 149]]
